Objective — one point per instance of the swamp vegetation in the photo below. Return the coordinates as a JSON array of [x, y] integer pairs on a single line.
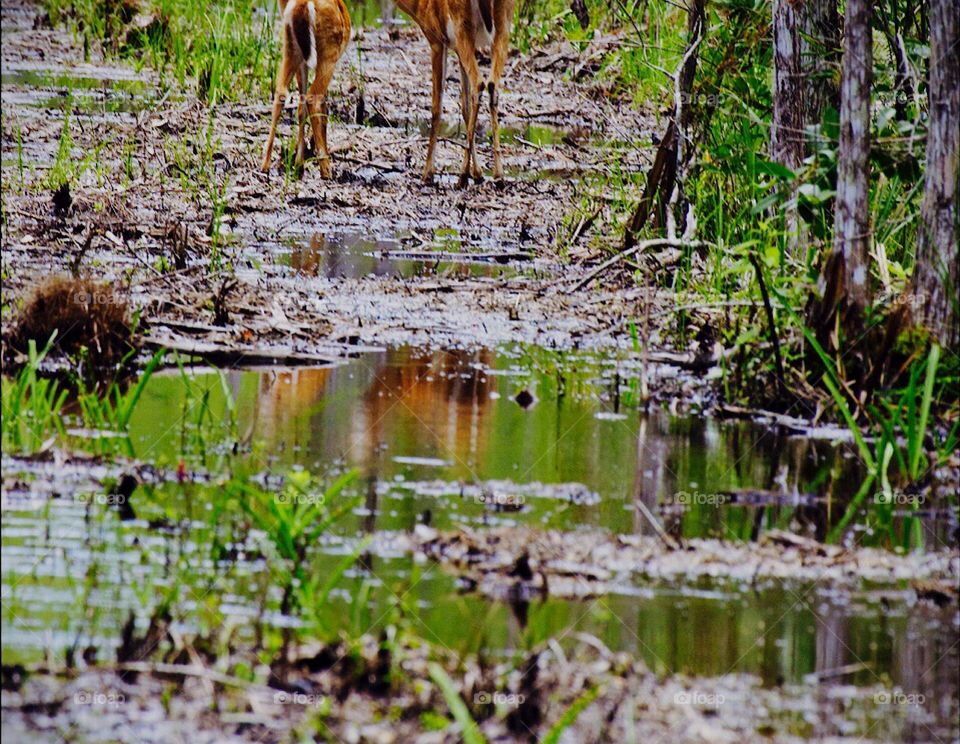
[[656, 438]]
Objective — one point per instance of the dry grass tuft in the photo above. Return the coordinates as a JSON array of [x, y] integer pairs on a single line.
[[85, 314]]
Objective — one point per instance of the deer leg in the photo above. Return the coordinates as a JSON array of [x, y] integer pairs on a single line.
[[465, 111], [317, 106], [301, 113], [439, 59], [283, 81], [468, 58], [501, 48]]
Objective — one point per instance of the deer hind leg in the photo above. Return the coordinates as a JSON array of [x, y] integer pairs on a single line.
[[317, 106], [501, 48], [283, 82], [465, 112], [302, 109], [439, 60], [468, 58]]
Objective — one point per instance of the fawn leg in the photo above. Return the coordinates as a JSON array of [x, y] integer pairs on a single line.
[[283, 81], [317, 105], [439, 60], [465, 111], [501, 48], [468, 58], [301, 113]]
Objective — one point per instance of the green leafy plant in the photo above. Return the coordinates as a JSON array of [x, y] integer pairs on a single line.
[[32, 405]]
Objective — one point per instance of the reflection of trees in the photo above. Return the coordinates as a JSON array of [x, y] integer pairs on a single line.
[[832, 654], [927, 665], [307, 259], [429, 403], [653, 447], [283, 397]]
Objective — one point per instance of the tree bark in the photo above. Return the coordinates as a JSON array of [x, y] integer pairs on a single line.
[[664, 180], [936, 278], [819, 57], [787, 145], [805, 39], [851, 235]]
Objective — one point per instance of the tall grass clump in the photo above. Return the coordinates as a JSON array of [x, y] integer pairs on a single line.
[[225, 50]]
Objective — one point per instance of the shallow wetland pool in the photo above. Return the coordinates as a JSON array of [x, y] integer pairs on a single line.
[[474, 439], [481, 400]]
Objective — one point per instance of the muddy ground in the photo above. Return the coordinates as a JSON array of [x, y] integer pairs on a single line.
[[492, 263], [355, 691], [629, 703], [280, 269]]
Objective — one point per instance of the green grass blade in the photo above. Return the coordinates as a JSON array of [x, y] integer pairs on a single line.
[[123, 417], [932, 362], [852, 509], [570, 716], [468, 727], [342, 568]]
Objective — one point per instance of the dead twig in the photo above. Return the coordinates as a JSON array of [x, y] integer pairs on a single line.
[[636, 248], [774, 339]]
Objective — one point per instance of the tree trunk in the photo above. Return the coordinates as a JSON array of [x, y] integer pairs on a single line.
[[851, 233], [664, 180], [819, 57], [936, 278], [786, 133], [805, 40]]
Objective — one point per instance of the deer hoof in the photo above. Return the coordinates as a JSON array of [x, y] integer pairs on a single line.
[[463, 181]]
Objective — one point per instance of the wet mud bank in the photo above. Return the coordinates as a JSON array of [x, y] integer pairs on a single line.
[[167, 204], [554, 540], [523, 562], [377, 692]]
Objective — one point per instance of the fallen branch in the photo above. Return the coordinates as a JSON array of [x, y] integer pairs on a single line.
[[636, 248], [223, 355]]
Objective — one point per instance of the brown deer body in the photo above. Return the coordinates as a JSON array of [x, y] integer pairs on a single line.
[[465, 25], [315, 35]]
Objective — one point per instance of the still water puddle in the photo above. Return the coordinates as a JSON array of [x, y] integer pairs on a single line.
[[473, 438], [352, 255], [90, 89]]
